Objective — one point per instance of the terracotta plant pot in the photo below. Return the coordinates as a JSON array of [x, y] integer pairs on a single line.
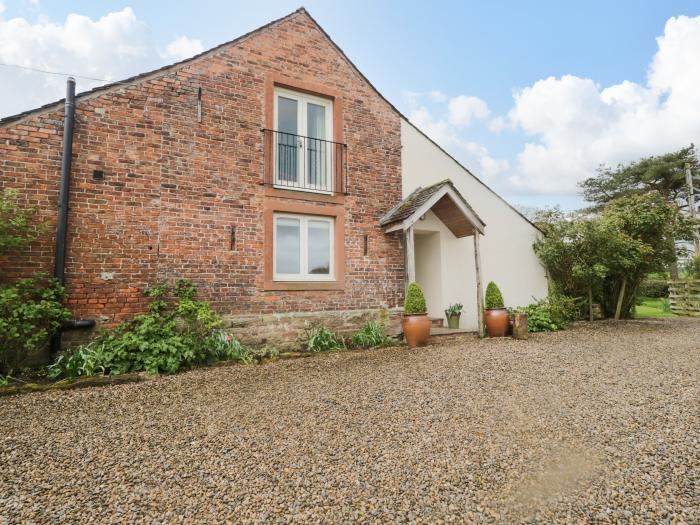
[[453, 321], [496, 321], [416, 329]]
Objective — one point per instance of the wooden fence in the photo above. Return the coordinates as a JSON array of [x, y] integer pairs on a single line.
[[684, 297]]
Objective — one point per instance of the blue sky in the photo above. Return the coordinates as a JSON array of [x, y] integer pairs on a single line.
[[481, 51]]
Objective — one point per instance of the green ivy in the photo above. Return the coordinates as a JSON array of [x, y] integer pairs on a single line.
[[415, 300], [494, 299]]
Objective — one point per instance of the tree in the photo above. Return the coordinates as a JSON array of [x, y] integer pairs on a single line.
[[606, 255], [664, 174]]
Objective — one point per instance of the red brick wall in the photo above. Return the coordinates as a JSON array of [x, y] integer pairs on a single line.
[[173, 187]]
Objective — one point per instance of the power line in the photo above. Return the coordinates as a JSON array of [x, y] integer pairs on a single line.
[[37, 70]]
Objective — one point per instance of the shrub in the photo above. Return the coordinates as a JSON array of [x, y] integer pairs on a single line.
[[494, 299], [30, 312], [454, 309], [415, 300], [555, 313], [178, 331], [653, 288], [321, 339], [372, 334]]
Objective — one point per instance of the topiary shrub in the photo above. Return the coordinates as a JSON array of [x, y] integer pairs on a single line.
[[494, 299], [415, 300]]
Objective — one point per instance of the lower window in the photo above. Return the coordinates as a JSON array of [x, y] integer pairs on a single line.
[[303, 247]]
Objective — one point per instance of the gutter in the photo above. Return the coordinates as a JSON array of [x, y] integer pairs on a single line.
[[62, 221]]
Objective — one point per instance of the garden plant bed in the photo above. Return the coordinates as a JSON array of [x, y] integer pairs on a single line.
[[600, 423]]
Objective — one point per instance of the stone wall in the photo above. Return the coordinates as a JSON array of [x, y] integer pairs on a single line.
[[287, 331]]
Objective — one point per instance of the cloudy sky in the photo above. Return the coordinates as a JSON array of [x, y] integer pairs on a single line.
[[531, 96]]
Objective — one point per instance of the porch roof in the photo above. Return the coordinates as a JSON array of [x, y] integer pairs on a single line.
[[444, 200]]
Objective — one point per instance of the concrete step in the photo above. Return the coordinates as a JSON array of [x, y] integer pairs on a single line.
[[440, 330]]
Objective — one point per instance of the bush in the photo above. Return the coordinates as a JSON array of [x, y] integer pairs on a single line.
[[555, 313], [321, 339], [371, 335], [415, 300], [494, 299], [178, 331], [653, 288], [30, 312], [692, 267]]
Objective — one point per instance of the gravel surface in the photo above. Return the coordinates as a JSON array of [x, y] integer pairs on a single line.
[[599, 424]]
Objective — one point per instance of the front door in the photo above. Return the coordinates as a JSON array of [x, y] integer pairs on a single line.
[[303, 145]]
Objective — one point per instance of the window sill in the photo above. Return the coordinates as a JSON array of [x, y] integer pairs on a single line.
[[303, 285], [304, 195]]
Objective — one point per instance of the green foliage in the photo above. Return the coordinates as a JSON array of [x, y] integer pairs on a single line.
[[414, 303], [494, 299], [692, 267], [225, 347], [454, 309], [30, 312], [653, 288], [321, 339], [554, 313], [631, 237], [178, 331], [17, 228], [4, 381], [371, 335]]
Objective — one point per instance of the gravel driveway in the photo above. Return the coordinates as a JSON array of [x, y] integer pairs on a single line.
[[597, 424]]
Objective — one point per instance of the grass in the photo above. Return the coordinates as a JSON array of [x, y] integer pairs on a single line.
[[652, 307]]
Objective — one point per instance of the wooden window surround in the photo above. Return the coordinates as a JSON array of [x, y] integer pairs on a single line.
[[337, 212], [274, 80]]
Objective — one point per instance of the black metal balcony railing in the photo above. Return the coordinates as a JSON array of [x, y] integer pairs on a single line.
[[304, 163]]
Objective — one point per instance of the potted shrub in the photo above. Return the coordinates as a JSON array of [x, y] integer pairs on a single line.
[[416, 325], [495, 313], [453, 312]]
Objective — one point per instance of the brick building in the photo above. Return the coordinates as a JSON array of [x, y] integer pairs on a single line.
[[259, 169]]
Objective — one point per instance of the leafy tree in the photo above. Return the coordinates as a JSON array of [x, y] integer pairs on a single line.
[[607, 254]]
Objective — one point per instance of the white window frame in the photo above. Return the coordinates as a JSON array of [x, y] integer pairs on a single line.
[[302, 100], [304, 274]]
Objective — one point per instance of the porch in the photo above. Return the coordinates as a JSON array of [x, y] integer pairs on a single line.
[[432, 220]]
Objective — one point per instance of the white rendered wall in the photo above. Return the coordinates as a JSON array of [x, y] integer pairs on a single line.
[[507, 256]]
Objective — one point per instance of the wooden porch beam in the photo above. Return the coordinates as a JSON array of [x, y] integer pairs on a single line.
[[479, 294], [410, 257]]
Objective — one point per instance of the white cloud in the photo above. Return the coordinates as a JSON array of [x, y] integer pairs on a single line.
[[578, 124], [463, 109], [473, 155], [497, 124], [117, 45], [183, 47]]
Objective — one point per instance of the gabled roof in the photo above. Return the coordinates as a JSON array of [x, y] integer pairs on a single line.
[[444, 200], [143, 76]]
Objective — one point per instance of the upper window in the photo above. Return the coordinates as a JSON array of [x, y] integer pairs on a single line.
[[304, 149], [303, 248]]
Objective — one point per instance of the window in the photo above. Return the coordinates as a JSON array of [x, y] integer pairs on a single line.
[[303, 248], [303, 145]]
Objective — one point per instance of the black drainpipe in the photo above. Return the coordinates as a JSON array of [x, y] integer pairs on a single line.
[[62, 222]]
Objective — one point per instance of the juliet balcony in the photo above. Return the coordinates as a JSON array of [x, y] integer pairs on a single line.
[[297, 162]]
